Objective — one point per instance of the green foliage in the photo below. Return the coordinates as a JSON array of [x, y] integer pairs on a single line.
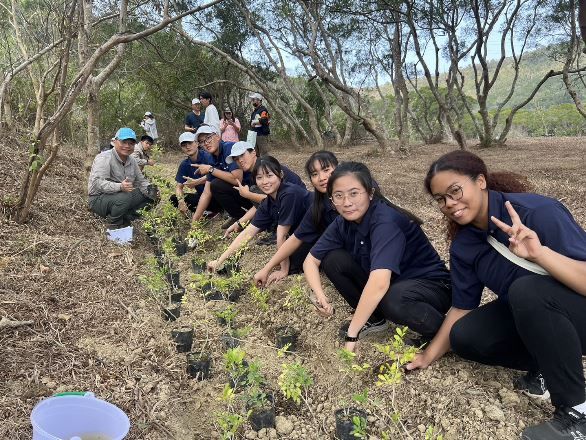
[[234, 359], [294, 381], [431, 434], [398, 354], [229, 424], [359, 427], [154, 280], [296, 295], [199, 235], [228, 315], [260, 296], [347, 357]]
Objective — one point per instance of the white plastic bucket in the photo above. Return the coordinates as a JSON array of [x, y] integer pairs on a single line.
[[72, 416], [121, 236]]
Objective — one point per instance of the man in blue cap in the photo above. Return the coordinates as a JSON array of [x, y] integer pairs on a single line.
[[117, 188]]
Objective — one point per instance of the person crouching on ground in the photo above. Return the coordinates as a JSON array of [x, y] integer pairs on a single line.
[[285, 203], [531, 253], [117, 188], [189, 176], [379, 259], [142, 151]]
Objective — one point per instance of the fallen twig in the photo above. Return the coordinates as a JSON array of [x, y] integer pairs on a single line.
[[7, 323]]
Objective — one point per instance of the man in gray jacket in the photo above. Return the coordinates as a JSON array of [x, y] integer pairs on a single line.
[[117, 188]]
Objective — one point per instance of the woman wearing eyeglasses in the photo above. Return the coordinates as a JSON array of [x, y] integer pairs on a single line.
[[379, 259], [531, 253]]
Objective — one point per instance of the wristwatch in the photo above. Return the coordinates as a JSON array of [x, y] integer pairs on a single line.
[[211, 171], [350, 338]]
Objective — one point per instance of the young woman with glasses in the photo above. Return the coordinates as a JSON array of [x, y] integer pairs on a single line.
[[379, 259], [531, 253]]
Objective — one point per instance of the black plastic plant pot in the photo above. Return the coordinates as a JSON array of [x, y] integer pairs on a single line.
[[238, 380], [198, 266], [177, 293], [229, 269], [262, 416], [172, 311], [214, 295], [207, 287], [153, 239], [180, 248], [344, 423], [287, 335], [230, 341], [183, 338], [233, 296], [173, 278], [199, 365]]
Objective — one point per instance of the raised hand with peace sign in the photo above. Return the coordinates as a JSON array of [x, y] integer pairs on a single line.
[[523, 242]]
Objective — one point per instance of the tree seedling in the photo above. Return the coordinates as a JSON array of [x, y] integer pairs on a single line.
[[294, 381]]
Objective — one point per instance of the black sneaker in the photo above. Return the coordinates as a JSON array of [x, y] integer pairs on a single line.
[[532, 385], [229, 222], [369, 327], [567, 423]]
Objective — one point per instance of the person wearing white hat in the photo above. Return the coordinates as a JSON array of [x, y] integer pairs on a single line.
[[208, 138], [195, 117], [189, 176], [259, 122], [149, 124]]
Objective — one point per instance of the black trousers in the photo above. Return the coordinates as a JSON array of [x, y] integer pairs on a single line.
[[419, 304], [229, 198], [541, 328], [298, 257], [192, 199]]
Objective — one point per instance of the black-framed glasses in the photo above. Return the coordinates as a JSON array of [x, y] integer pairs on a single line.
[[455, 192], [206, 140], [339, 197]]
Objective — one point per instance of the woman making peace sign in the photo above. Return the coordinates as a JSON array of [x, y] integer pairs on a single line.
[[529, 250]]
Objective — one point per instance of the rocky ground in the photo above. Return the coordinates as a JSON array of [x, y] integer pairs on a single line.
[[95, 326]]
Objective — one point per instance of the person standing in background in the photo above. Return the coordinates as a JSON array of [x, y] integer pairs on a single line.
[[150, 126], [211, 116], [195, 117], [259, 122], [230, 127]]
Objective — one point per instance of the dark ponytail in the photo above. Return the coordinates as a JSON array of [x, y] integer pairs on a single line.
[[362, 173], [469, 164], [325, 159]]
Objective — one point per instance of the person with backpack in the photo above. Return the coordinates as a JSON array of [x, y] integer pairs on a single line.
[[260, 120]]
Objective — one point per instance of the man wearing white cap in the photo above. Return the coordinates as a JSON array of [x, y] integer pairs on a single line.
[[195, 117], [189, 176], [150, 126], [259, 122], [236, 200], [208, 138], [117, 189]]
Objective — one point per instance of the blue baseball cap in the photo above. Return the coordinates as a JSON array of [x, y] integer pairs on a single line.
[[125, 133]]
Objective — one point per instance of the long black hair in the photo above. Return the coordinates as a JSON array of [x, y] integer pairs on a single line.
[[325, 159], [362, 174]]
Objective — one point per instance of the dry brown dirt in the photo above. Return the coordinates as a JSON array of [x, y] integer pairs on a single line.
[[96, 328]]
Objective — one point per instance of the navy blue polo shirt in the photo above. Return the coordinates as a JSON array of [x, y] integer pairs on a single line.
[[384, 239], [219, 161], [194, 121], [288, 176], [185, 168], [287, 209], [475, 264], [307, 231]]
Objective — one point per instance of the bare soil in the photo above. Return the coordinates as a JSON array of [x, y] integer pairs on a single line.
[[96, 328]]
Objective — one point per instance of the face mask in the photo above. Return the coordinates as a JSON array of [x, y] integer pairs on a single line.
[[255, 104]]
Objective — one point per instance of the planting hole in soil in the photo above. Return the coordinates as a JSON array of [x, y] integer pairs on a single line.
[[229, 269], [183, 338], [262, 412], [287, 335], [177, 293], [214, 295], [349, 420], [199, 365], [172, 311], [230, 341]]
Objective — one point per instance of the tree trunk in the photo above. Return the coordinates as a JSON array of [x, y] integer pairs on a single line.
[[93, 125]]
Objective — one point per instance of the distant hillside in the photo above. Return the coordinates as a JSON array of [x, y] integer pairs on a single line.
[[533, 67]]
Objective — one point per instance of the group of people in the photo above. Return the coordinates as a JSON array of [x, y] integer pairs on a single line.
[[525, 247], [229, 125]]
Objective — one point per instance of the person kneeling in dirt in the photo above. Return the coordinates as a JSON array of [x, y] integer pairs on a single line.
[[142, 150], [117, 188], [285, 204], [189, 176]]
